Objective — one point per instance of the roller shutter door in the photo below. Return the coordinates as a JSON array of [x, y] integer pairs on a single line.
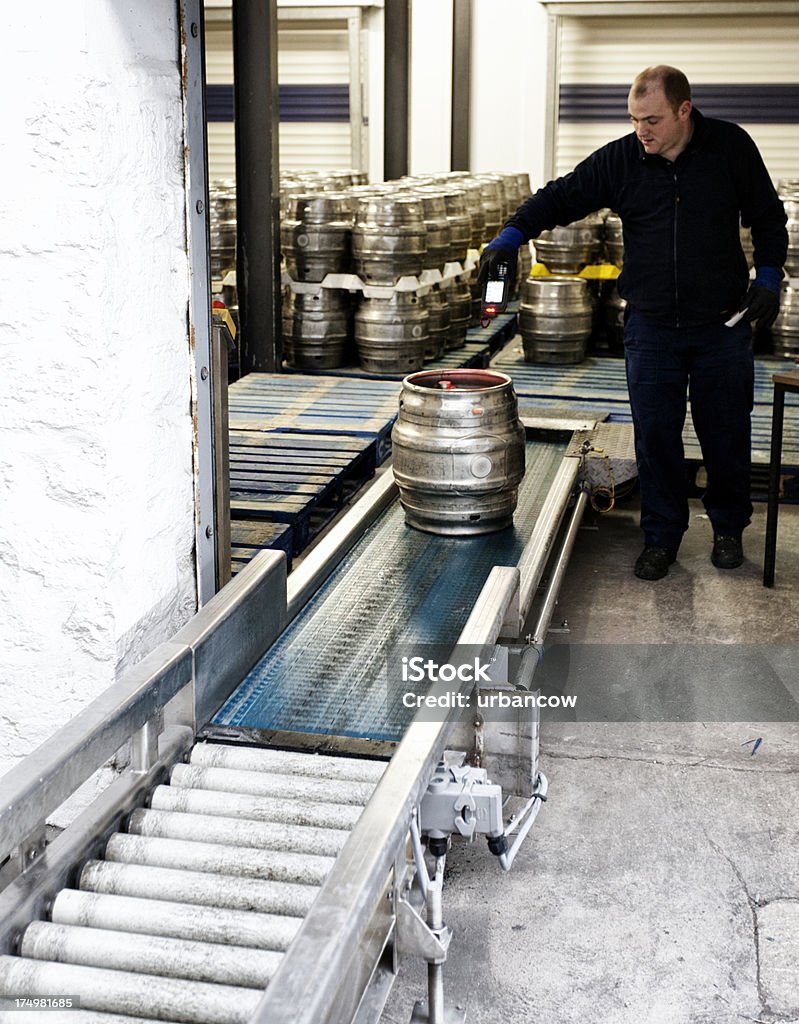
[[742, 69], [314, 84]]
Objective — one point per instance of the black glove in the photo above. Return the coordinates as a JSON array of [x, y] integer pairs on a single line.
[[491, 258], [502, 249], [761, 304]]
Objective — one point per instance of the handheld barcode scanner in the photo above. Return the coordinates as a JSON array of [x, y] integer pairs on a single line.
[[496, 291]]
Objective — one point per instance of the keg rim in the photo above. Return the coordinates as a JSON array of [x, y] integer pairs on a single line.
[[479, 379]]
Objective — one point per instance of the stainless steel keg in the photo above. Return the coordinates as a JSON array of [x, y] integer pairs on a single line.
[[436, 222], [316, 235], [789, 193], [785, 330], [222, 227], [391, 333], [389, 238], [613, 307], [566, 250], [614, 239], [458, 451], [317, 329], [459, 297], [555, 319], [434, 300]]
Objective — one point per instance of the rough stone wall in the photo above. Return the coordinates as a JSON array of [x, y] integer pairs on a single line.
[[96, 494]]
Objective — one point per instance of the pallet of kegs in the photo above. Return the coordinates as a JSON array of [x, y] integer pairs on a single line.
[[555, 319], [459, 451]]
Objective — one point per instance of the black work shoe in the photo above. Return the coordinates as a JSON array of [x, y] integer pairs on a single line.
[[728, 552], [653, 563]]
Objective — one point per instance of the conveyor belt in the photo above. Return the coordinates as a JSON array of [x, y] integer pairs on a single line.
[[397, 586]]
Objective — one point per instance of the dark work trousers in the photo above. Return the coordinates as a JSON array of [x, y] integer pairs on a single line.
[[713, 365]]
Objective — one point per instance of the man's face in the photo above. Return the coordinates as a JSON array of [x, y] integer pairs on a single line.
[[660, 129]]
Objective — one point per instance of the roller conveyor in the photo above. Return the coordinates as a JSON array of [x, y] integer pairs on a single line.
[[211, 872]]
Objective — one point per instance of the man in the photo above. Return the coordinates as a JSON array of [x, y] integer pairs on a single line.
[[679, 182]]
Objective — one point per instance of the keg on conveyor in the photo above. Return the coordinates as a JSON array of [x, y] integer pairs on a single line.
[[389, 239], [391, 334], [458, 451], [555, 319], [566, 250], [788, 190], [317, 328], [785, 329], [316, 235]]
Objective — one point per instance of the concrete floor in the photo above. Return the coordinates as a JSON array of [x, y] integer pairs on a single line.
[[660, 883]]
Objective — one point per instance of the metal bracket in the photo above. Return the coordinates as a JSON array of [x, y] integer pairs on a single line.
[[416, 938]]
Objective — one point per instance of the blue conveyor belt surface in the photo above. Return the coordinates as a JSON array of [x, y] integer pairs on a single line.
[[326, 673]]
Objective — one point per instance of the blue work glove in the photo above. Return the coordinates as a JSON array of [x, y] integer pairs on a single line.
[[762, 301], [502, 249]]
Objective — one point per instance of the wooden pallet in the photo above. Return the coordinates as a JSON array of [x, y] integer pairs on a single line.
[[248, 537]]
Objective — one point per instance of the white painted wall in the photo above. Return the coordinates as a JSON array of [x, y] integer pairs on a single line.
[[96, 498]]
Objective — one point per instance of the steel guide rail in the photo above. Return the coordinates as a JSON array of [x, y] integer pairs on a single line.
[[348, 924]]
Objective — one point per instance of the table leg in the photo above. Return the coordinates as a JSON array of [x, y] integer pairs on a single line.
[[777, 416]]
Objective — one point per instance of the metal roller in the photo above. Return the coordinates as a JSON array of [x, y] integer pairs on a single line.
[[196, 887], [172, 999], [325, 842], [78, 1017], [176, 920], [304, 868], [284, 762], [288, 787], [149, 954], [290, 812]]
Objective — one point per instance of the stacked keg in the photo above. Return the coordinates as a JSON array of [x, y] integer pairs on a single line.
[[316, 235], [316, 328], [459, 298], [458, 451], [566, 250], [392, 333], [555, 319], [389, 241], [785, 329], [788, 190], [614, 239], [222, 221]]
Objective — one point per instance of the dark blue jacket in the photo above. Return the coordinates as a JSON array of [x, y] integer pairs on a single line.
[[683, 262]]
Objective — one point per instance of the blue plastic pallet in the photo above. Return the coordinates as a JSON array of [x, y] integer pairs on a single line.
[[295, 403], [297, 479]]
